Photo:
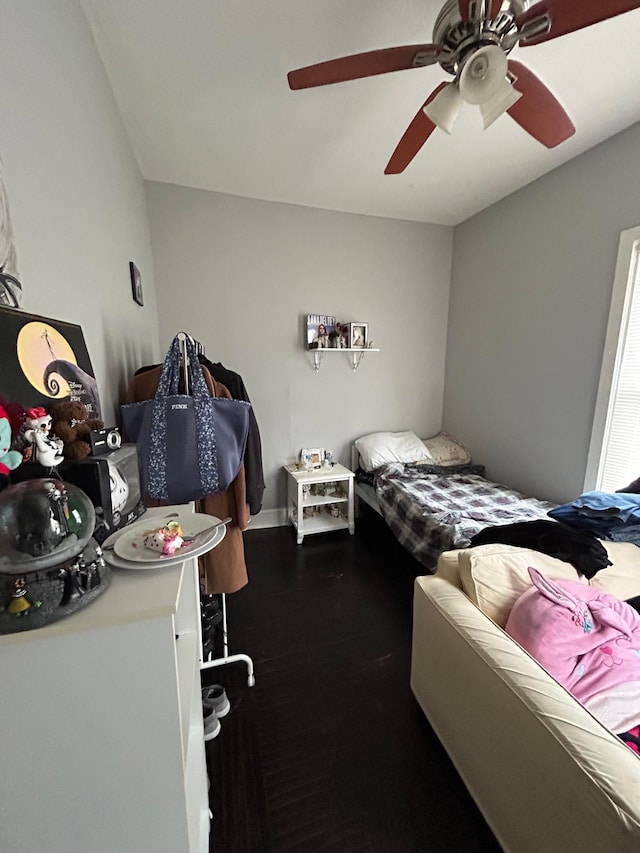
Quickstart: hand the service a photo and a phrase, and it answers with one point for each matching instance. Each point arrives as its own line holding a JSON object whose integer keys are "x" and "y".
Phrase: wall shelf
{"x": 355, "y": 355}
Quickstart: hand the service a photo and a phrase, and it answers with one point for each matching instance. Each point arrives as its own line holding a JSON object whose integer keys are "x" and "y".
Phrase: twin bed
{"x": 431, "y": 495}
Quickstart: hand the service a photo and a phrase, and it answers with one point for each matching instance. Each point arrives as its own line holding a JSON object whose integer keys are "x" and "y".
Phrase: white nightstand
{"x": 320, "y": 499}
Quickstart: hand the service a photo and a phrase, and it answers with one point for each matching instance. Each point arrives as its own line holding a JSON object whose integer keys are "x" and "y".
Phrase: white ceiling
{"x": 202, "y": 89}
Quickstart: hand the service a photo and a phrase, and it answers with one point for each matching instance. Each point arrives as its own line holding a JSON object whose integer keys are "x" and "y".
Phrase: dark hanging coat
{"x": 253, "y": 472}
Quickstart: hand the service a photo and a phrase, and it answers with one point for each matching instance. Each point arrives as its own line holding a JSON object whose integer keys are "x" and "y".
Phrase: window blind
{"x": 620, "y": 460}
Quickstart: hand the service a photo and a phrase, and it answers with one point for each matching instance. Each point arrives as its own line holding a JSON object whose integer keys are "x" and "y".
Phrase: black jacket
{"x": 578, "y": 547}
{"x": 253, "y": 473}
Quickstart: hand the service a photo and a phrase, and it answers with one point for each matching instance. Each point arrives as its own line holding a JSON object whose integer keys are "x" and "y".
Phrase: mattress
{"x": 430, "y": 510}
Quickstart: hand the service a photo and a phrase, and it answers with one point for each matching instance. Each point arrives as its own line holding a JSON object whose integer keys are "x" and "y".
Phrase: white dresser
{"x": 102, "y": 747}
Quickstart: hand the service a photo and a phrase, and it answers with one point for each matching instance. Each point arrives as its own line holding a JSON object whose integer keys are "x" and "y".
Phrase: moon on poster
{"x": 39, "y": 345}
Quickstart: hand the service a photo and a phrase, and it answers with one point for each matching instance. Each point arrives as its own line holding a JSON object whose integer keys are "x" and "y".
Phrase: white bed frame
{"x": 363, "y": 491}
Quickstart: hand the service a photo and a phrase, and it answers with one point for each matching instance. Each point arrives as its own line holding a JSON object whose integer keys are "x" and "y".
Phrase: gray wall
{"x": 240, "y": 275}
{"x": 75, "y": 192}
{"x": 530, "y": 290}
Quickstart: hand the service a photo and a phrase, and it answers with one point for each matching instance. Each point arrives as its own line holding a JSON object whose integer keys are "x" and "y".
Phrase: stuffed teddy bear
{"x": 71, "y": 423}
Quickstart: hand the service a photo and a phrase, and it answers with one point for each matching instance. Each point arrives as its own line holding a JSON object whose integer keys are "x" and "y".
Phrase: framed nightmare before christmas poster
{"x": 43, "y": 361}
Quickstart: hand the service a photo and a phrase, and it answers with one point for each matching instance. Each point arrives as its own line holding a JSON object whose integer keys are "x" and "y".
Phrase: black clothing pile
{"x": 580, "y": 548}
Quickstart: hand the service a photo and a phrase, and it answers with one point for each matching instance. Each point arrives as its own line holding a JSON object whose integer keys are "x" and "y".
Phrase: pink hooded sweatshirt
{"x": 588, "y": 640}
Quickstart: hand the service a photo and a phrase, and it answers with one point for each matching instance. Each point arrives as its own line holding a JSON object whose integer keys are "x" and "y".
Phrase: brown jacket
{"x": 224, "y": 566}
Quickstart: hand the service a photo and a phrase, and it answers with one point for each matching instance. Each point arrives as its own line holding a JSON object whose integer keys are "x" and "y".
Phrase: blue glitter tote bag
{"x": 190, "y": 445}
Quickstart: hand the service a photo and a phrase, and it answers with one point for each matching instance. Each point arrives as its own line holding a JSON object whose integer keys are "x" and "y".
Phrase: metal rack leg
{"x": 209, "y": 664}
{"x": 226, "y": 657}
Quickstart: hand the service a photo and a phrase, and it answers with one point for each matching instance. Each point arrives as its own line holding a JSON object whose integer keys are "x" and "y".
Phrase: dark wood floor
{"x": 329, "y": 750}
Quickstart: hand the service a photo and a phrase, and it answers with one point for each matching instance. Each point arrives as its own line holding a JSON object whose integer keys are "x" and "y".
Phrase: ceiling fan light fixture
{"x": 483, "y": 74}
{"x": 444, "y": 108}
{"x": 504, "y": 98}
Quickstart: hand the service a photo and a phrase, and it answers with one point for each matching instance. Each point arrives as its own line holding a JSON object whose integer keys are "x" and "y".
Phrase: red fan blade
{"x": 413, "y": 138}
{"x": 464, "y": 6}
{"x": 566, "y": 16}
{"x": 364, "y": 65}
{"x": 537, "y": 111}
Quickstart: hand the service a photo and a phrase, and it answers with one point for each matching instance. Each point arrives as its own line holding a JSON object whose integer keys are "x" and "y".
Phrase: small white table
{"x": 314, "y": 505}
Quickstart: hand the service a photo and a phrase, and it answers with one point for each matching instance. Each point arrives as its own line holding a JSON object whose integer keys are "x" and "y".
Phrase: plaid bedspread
{"x": 432, "y": 513}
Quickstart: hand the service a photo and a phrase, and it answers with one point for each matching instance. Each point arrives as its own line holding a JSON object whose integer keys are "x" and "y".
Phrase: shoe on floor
{"x": 212, "y": 726}
{"x": 211, "y": 722}
{"x": 215, "y": 698}
{"x": 210, "y": 609}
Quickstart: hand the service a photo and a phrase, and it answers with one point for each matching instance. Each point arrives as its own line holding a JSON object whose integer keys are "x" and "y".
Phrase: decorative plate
{"x": 128, "y": 545}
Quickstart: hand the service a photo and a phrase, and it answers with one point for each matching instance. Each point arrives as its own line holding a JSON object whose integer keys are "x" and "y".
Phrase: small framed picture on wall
{"x": 358, "y": 335}
{"x": 136, "y": 283}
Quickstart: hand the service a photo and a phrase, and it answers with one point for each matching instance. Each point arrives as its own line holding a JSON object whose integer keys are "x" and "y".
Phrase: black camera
{"x": 105, "y": 440}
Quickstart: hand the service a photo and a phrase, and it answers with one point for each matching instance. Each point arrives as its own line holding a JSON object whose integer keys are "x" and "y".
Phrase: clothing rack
{"x": 226, "y": 658}
{"x": 185, "y": 361}
{"x": 199, "y": 348}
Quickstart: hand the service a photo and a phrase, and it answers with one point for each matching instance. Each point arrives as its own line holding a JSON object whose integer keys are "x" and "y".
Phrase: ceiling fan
{"x": 471, "y": 40}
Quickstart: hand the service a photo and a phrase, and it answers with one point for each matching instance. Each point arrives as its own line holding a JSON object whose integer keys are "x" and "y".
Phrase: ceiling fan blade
{"x": 566, "y": 16}
{"x": 538, "y": 111}
{"x": 364, "y": 65}
{"x": 413, "y": 138}
{"x": 465, "y": 8}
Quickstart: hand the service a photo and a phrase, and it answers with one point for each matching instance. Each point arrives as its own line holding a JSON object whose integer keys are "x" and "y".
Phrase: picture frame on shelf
{"x": 339, "y": 338}
{"x": 318, "y": 329}
{"x": 358, "y": 335}
{"x": 312, "y": 457}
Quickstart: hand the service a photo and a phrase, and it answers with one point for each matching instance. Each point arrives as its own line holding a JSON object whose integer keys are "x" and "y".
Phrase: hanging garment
{"x": 224, "y": 566}
{"x": 253, "y": 472}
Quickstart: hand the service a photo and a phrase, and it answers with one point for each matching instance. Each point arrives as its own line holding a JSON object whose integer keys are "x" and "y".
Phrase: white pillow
{"x": 381, "y": 448}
